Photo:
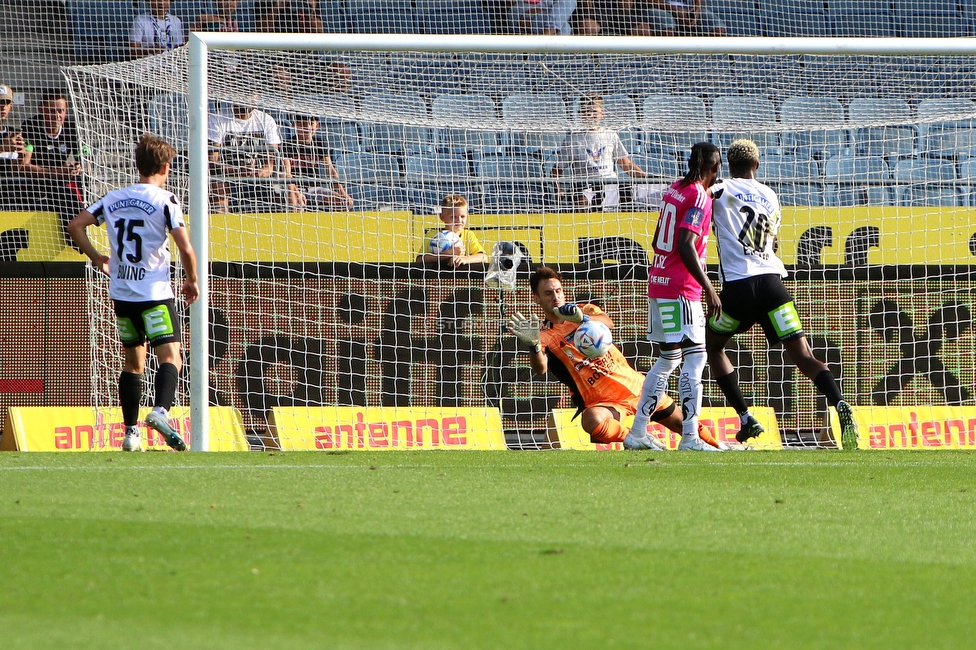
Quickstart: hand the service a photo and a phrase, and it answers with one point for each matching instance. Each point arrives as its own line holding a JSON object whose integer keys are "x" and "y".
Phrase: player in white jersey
{"x": 138, "y": 219}
{"x": 745, "y": 219}
{"x": 589, "y": 158}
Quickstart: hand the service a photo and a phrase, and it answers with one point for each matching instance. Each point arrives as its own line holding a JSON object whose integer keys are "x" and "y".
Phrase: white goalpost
{"x": 867, "y": 141}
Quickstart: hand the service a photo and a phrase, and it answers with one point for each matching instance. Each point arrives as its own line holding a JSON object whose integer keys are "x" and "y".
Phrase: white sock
{"x": 655, "y": 383}
{"x": 132, "y": 430}
{"x": 690, "y": 389}
{"x": 161, "y": 411}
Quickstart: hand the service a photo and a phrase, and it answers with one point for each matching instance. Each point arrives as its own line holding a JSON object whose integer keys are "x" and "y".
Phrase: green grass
{"x": 487, "y": 550}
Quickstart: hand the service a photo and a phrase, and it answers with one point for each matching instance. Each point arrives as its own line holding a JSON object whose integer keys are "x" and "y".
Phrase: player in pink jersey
{"x": 675, "y": 318}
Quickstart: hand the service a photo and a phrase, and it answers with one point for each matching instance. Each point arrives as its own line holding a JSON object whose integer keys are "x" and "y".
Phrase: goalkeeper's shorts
{"x": 629, "y": 406}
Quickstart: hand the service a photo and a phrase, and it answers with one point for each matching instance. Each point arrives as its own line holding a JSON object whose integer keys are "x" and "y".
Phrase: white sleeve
{"x": 215, "y": 129}
{"x": 179, "y": 38}
{"x": 271, "y": 133}
{"x": 137, "y": 34}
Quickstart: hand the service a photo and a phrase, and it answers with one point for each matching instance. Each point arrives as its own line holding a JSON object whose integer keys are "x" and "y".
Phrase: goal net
{"x": 321, "y": 205}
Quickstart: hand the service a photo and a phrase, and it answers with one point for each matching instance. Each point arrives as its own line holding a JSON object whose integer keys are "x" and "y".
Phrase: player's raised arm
{"x": 77, "y": 229}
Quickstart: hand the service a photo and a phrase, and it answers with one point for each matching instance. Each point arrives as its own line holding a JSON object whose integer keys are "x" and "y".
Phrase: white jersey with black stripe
{"x": 138, "y": 219}
{"x": 746, "y": 218}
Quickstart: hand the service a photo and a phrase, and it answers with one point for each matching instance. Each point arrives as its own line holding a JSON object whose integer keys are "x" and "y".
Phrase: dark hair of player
{"x": 152, "y": 153}
{"x": 454, "y": 201}
{"x": 52, "y": 95}
{"x": 704, "y": 156}
{"x": 543, "y": 273}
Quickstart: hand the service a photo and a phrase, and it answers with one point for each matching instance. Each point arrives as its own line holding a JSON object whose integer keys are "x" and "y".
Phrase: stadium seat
{"x": 672, "y": 123}
{"x": 894, "y": 136}
{"x": 741, "y": 17}
{"x": 384, "y": 115}
{"x": 452, "y": 17}
{"x": 535, "y": 123}
{"x": 169, "y": 119}
{"x": 862, "y": 18}
{"x": 434, "y": 73}
{"x": 620, "y": 114}
{"x": 341, "y": 136}
{"x": 334, "y": 18}
{"x": 795, "y": 179}
{"x": 474, "y": 110}
{"x": 431, "y": 176}
{"x": 382, "y": 17}
{"x": 857, "y": 180}
{"x": 794, "y": 18}
{"x": 940, "y": 24}
{"x": 667, "y": 168}
{"x": 967, "y": 173}
{"x": 926, "y": 182}
{"x": 801, "y": 114}
{"x": 946, "y": 127}
{"x": 513, "y": 183}
{"x": 744, "y": 116}
{"x": 101, "y": 29}
{"x": 372, "y": 179}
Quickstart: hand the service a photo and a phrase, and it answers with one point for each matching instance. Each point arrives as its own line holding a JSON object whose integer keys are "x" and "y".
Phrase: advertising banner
{"x": 913, "y": 427}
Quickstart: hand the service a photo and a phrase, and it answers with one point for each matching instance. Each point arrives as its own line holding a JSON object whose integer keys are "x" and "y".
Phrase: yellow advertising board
{"x": 386, "y": 428}
{"x": 82, "y": 428}
{"x": 912, "y": 427}
{"x": 723, "y": 422}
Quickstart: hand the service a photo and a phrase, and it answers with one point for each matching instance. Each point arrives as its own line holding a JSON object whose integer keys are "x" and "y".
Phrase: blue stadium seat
{"x": 802, "y": 115}
{"x": 744, "y": 116}
{"x": 452, "y": 17}
{"x": 432, "y": 176}
{"x": 741, "y": 17}
{"x": 535, "y": 122}
{"x": 938, "y": 24}
{"x": 967, "y": 173}
{"x": 862, "y": 18}
{"x": 341, "y": 136}
{"x": 466, "y": 109}
{"x": 372, "y": 179}
{"x": 946, "y": 127}
{"x": 857, "y": 180}
{"x": 672, "y": 123}
{"x": 513, "y": 183}
{"x": 794, "y": 18}
{"x": 101, "y": 29}
{"x": 795, "y": 179}
{"x": 895, "y": 136}
{"x": 926, "y": 182}
{"x": 382, "y": 17}
{"x": 334, "y": 18}
{"x": 620, "y": 114}
{"x": 667, "y": 168}
{"x": 395, "y": 123}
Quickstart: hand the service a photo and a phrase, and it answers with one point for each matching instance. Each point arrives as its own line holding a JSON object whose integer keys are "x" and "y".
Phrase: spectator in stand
{"x": 51, "y": 158}
{"x": 589, "y": 157}
{"x": 620, "y": 18}
{"x": 288, "y": 16}
{"x": 303, "y": 158}
{"x": 549, "y": 17}
{"x": 220, "y": 20}
{"x": 243, "y": 144}
{"x": 467, "y": 250}
{"x": 156, "y": 31}
{"x": 690, "y": 18}
{"x": 11, "y": 140}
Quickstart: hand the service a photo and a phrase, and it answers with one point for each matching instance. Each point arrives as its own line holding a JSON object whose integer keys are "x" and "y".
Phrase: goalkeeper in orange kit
{"x": 605, "y": 389}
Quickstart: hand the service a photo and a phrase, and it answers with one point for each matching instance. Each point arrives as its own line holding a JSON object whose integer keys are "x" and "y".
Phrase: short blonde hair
{"x": 743, "y": 155}
{"x": 454, "y": 201}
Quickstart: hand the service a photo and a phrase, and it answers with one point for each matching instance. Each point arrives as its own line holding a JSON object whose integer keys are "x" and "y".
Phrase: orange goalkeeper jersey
{"x": 606, "y": 380}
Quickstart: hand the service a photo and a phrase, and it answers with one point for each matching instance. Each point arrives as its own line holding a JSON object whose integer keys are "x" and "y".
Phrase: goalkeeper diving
{"x": 605, "y": 390}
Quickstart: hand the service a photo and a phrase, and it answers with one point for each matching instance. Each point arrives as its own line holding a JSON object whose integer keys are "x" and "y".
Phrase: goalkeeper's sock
{"x": 827, "y": 385}
{"x": 167, "y": 377}
{"x": 609, "y": 431}
{"x": 733, "y": 395}
{"x": 130, "y": 394}
{"x": 706, "y": 435}
{"x": 690, "y": 389}
{"x": 655, "y": 383}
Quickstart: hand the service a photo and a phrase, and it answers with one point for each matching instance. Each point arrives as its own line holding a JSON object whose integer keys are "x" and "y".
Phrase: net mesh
{"x": 315, "y": 294}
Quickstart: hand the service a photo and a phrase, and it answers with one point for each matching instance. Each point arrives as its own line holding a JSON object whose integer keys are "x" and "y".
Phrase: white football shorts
{"x": 675, "y": 320}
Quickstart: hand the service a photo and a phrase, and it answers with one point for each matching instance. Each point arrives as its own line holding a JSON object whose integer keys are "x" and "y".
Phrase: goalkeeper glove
{"x": 572, "y": 313}
{"x": 526, "y": 330}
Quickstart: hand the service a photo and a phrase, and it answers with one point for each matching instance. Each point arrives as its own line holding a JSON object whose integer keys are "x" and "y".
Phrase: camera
{"x": 505, "y": 259}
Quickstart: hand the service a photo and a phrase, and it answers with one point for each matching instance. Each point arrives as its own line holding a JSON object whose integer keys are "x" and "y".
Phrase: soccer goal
{"x": 311, "y": 219}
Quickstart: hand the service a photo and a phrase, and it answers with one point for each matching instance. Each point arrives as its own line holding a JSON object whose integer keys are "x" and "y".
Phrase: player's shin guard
{"x": 655, "y": 383}
{"x": 690, "y": 388}
{"x": 826, "y": 384}
{"x": 609, "y": 431}
{"x": 167, "y": 378}
{"x": 130, "y": 394}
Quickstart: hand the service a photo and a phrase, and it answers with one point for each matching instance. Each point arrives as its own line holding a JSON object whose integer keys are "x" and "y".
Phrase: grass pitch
{"x": 487, "y": 550}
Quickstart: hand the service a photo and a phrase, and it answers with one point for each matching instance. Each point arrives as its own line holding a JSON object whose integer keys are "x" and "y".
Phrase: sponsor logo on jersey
{"x": 694, "y": 217}
{"x": 757, "y": 199}
{"x": 145, "y": 206}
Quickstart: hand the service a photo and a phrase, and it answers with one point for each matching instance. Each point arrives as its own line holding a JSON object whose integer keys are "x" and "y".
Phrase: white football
{"x": 443, "y": 241}
{"x": 593, "y": 339}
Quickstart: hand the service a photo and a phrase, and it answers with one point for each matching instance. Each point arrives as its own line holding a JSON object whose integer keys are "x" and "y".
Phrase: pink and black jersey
{"x": 683, "y": 206}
